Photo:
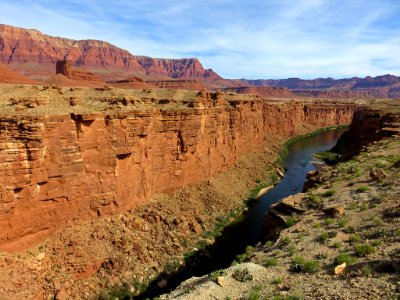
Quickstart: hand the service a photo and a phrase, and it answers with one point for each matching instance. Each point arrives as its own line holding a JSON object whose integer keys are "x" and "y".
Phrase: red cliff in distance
{"x": 36, "y": 53}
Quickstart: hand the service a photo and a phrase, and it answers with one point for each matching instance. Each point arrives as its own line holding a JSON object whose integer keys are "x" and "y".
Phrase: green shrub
{"x": 292, "y": 250}
{"x": 255, "y": 293}
{"x": 342, "y": 222}
{"x": 277, "y": 280}
{"x": 290, "y": 221}
{"x": 344, "y": 258}
{"x": 366, "y": 270}
{"x": 269, "y": 243}
{"x": 329, "y": 221}
{"x": 329, "y": 157}
{"x": 337, "y": 245}
{"x": 377, "y": 221}
{"x": 376, "y": 243}
{"x": 271, "y": 261}
{"x": 329, "y": 193}
{"x": 362, "y": 189}
{"x": 300, "y": 264}
{"x": 316, "y": 225}
{"x": 314, "y": 201}
{"x": 354, "y": 238}
{"x": 287, "y": 241}
{"x": 324, "y": 237}
{"x": 364, "y": 249}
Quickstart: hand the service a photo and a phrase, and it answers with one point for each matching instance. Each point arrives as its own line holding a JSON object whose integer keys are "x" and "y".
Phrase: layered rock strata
{"x": 56, "y": 168}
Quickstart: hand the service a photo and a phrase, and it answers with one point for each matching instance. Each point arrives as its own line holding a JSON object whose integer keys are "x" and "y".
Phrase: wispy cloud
{"x": 251, "y": 39}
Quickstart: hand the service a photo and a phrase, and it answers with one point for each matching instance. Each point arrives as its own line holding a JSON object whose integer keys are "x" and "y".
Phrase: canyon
{"x": 114, "y": 166}
{"x": 72, "y": 164}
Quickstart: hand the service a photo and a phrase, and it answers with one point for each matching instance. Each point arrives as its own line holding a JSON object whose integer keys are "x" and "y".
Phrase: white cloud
{"x": 252, "y": 39}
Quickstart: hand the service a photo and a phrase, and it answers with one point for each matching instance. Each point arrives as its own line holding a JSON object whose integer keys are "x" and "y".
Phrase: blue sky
{"x": 238, "y": 39}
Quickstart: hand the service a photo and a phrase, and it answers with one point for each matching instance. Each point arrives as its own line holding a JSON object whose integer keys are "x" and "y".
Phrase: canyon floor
{"x": 364, "y": 234}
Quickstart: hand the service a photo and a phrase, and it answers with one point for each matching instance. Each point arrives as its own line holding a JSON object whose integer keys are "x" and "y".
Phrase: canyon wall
{"x": 56, "y": 168}
{"x": 367, "y": 126}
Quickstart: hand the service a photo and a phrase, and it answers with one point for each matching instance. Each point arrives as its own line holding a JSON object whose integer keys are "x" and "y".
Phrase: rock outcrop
{"x": 367, "y": 126}
{"x": 64, "y": 67}
{"x": 54, "y": 168}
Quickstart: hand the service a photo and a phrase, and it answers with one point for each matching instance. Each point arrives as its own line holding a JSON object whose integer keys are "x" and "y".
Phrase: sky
{"x": 254, "y": 39}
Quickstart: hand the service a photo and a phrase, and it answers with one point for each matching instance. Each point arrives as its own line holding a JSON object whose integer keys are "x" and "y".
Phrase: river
{"x": 235, "y": 238}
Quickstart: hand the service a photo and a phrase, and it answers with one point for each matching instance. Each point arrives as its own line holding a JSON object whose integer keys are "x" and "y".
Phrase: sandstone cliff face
{"x": 19, "y": 45}
{"x": 367, "y": 126}
{"x": 55, "y": 168}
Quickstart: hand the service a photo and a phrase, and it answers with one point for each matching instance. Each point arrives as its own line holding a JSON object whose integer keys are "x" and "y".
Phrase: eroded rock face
{"x": 64, "y": 67}
{"x": 19, "y": 46}
{"x": 55, "y": 168}
{"x": 367, "y": 126}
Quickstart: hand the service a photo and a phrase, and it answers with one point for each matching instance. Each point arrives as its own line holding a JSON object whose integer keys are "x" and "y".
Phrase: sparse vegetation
{"x": 255, "y": 293}
{"x": 344, "y": 258}
{"x": 276, "y": 280}
{"x": 242, "y": 275}
{"x": 364, "y": 249}
{"x": 270, "y": 261}
{"x": 300, "y": 264}
{"x": 329, "y": 193}
{"x": 362, "y": 189}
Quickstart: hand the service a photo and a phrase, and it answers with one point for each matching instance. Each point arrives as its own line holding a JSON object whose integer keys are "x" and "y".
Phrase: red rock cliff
{"x": 60, "y": 167}
{"x": 19, "y": 45}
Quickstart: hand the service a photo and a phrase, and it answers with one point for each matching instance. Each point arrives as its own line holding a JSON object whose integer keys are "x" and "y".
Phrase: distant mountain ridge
{"x": 26, "y": 46}
{"x": 34, "y": 54}
{"x": 385, "y": 85}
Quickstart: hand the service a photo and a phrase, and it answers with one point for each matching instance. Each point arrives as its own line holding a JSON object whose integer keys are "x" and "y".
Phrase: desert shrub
{"x": 342, "y": 222}
{"x": 292, "y": 250}
{"x": 271, "y": 261}
{"x": 314, "y": 201}
{"x": 329, "y": 193}
{"x": 355, "y": 238}
{"x": 287, "y": 241}
{"x": 300, "y": 264}
{"x": 349, "y": 229}
{"x": 364, "y": 249}
{"x": 362, "y": 189}
{"x": 290, "y": 221}
{"x": 269, "y": 243}
{"x": 376, "y": 243}
{"x": 344, "y": 258}
{"x": 277, "y": 280}
{"x": 337, "y": 245}
{"x": 255, "y": 293}
{"x": 242, "y": 275}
